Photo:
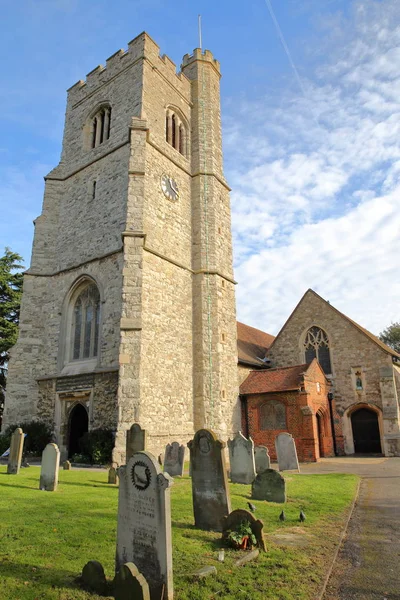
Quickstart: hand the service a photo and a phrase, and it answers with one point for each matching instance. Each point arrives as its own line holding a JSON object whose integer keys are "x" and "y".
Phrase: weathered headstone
{"x": 270, "y": 486}
{"x": 129, "y": 584}
{"x": 144, "y": 522}
{"x": 135, "y": 440}
{"x": 241, "y": 458}
{"x": 15, "y": 456}
{"x": 93, "y": 577}
{"x": 261, "y": 459}
{"x": 286, "y": 452}
{"x": 67, "y": 465}
{"x": 210, "y": 492}
{"x": 236, "y": 517}
{"x": 112, "y": 475}
{"x": 174, "y": 459}
{"x": 49, "y": 469}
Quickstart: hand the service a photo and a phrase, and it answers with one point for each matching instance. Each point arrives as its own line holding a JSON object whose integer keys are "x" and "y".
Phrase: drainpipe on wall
{"x": 330, "y": 398}
{"x": 245, "y": 412}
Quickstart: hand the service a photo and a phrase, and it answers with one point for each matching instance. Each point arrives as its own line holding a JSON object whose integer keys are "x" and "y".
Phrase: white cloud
{"x": 325, "y": 185}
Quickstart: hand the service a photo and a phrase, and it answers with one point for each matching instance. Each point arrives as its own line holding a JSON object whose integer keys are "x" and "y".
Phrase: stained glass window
{"x": 85, "y": 325}
{"x": 316, "y": 345}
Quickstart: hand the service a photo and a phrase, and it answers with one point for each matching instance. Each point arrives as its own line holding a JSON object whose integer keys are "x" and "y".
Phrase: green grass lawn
{"x": 46, "y": 538}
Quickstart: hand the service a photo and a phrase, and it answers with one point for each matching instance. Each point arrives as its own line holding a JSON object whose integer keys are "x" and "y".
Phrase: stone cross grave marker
{"x": 210, "y": 492}
{"x": 144, "y": 522}
{"x": 286, "y": 452}
{"x": 262, "y": 459}
{"x": 135, "y": 441}
{"x": 112, "y": 476}
{"x": 269, "y": 485}
{"x": 174, "y": 459}
{"x": 129, "y": 584}
{"x": 49, "y": 469}
{"x": 15, "y": 456}
{"x": 241, "y": 458}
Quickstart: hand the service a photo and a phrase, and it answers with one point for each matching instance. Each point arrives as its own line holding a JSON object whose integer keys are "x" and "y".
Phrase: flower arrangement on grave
{"x": 242, "y": 537}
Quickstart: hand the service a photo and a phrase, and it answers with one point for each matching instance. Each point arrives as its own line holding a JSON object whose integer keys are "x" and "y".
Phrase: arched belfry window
{"x": 176, "y": 132}
{"x": 86, "y": 323}
{"x": 273, "y": 415}
{"x": 99, "y": 127}
{"x": 316, "y": 345}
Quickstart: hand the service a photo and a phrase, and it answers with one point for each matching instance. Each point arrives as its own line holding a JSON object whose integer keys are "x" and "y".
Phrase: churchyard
{"x": 47, "y": 537}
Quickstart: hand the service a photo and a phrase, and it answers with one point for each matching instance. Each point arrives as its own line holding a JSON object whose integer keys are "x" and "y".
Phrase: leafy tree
{"x": 10, "y": 298}
{"x": 391, "y": 336}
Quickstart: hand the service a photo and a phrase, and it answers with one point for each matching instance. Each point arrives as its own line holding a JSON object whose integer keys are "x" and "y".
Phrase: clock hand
{"x": 172, "y": 186}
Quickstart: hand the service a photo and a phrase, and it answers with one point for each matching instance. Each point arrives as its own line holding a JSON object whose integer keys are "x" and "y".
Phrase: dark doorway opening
{"x": 320, "y": 434}
{"x": 78, "y": 426}
{"x": 367, "y": 439}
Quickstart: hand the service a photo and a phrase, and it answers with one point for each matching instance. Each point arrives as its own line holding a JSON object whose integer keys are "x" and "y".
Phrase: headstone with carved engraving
{"x": 144, "y": 522}
{"x": 15, "y": 456}
{"x": 174, "y": 459}
{"x": 241, "y": 459}
{"x": 262, "y": 459}
{"x": 210, "y": 492}
{"x": 49, "y": 468}
{"x": 270, "y": 486}
{"x": 286, "y": 452}
{"x": 135, "y": 440}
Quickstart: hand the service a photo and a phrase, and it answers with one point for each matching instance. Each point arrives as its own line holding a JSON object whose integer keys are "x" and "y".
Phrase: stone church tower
{"x": 128, "y": 311}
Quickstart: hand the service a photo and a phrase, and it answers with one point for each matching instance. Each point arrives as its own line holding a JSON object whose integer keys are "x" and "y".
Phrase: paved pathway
{"x": 368, "y": 564}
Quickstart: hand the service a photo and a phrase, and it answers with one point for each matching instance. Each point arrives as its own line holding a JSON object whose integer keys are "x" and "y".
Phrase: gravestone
{"x": 241, "y": 458}
{"x": 270, "y": 486}
{"x": 15, "y": 456}
{"x": 286, "y": 452}
{"x": 67, "y": 465}
{"x": 135, "y": 441}
{"x": 144, "y": 522}
{"x": 261, "y": 459}
{"x": 174, "y": 459}
{"x": 93, "y": 577}
{"x": 236, "y": 517}
{"x": 112, "y": 475}
{"x": 160, "y": 459}
{"x": 129, "y": 584}
{"x": 49, "y": 469}
{"x": 210, "y": 492}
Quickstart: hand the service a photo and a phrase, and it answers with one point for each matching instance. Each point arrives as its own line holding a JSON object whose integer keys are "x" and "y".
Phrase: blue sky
{"x": 314, "y": 165}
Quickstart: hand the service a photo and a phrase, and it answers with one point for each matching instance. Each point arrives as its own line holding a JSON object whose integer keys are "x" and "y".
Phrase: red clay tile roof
{"x": 252, "y": 344}
{"x": 274, "y": 380}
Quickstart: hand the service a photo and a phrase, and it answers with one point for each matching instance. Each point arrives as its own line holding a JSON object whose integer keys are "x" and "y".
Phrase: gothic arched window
{"x": 100, "y": 125}
{"x": 175, "y": 132}
{"x": 85, "y": 323}
{"x": 273, "y": 415}
{"x": 316, "y": 345}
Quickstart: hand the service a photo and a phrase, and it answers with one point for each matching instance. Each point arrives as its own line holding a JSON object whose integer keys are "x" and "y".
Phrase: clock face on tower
{"x": 169, "y": 187}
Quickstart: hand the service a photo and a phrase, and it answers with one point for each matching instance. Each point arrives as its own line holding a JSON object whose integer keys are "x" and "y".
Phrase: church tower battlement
{"x": 128, "y": 312}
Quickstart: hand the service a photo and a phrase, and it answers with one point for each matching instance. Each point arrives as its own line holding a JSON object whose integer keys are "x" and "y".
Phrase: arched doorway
{"x": 320, "y": 428}
{"x": 78, "y": 426}
{"x": 366, "y": 436}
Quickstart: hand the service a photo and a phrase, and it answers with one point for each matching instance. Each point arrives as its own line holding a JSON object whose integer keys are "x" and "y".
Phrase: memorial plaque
{"x": 261, "y": 459}
{"x": 135, "y": 441}
{"x": 15, "y": 456}
{"x": 270, "y": 486}
{"x": 174, "y": 459}
{"x": 286, "y": 452}
{"x": 49, "y": 469}
{"x": 144, "y": 522}
{"x": 241, "y": 458}
{"x": 210, "y": 492}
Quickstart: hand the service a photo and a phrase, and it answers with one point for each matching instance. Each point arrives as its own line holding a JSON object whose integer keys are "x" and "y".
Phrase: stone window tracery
{"x": 273, "y": 415}
{"x": 100, "y": 125}
{"x": 85, "y": 324}
{"x": 316, "y": 345}
{"x": 175, "y": 132}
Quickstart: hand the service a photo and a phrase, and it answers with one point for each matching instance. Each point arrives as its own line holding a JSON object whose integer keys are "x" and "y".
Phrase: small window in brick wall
{"x": 175, "y": 132}
{"x": 273, "y": 415}
{"x": 99, "y": 127}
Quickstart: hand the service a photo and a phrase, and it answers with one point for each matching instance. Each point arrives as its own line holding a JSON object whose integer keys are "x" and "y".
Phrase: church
{"x": 128, "y": 311}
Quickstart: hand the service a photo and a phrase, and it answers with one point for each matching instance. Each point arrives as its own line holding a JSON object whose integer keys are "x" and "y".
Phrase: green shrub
{"x": 4, "y": 443}
{"x": 39, "y": 434}
{"x": 82, "y": 459}
{"x": 98, "y": 445}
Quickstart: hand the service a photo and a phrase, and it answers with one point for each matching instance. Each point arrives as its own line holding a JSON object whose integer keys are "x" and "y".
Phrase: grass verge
{"x": 46, "y": 538}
